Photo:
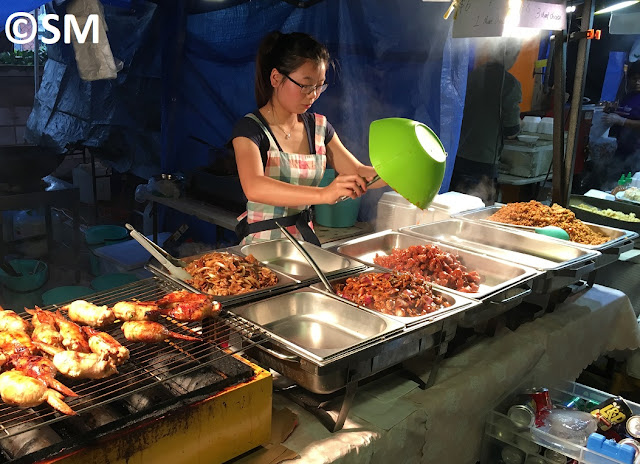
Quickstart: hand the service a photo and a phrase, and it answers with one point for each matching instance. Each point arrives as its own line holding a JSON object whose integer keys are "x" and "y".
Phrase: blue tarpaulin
{"x": 8, "y": 7}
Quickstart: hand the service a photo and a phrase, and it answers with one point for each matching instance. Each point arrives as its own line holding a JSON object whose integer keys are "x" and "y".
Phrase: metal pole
{"x": 559, "y": 73}
{"x": 36, "y": 55}
{"x": 582, "y": 60}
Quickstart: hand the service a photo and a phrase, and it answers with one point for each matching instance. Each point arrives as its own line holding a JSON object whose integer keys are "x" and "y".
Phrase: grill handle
{"x": 277, "y": 354}
{"x": 519, "y": 295}
{"x": 577, "y": 271}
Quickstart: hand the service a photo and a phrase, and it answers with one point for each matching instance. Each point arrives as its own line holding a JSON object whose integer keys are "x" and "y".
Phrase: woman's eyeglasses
{"x": 308, "y": 89}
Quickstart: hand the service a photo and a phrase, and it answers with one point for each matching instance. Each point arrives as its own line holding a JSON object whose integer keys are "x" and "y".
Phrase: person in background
{"x": 491, "y": 114}
{"x": 282, "y": 150}
{"x": 626, "y": 124}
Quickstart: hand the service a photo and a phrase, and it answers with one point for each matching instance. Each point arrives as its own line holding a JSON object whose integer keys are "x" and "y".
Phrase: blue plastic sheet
{"x": 613, "y": 76}
{"x": 8, "y": 7}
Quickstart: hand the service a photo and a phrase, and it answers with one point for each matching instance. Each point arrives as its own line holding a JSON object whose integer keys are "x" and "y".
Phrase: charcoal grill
{"x": 155, "y": 380}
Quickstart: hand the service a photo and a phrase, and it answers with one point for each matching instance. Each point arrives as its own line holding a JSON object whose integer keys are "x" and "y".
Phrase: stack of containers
{"x": 394, "y": 211}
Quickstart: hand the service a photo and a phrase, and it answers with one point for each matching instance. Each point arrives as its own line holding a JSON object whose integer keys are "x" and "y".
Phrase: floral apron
{"x": 258, "y": 222}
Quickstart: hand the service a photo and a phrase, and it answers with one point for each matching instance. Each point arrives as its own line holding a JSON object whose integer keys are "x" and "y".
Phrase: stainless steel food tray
{"x": 496, "y": 275}
{"x": 285, "y": 283}
{"x": 458, "y": 304}
{"x": 282, "y": 256}
{"x": 562, "y": 263}
{"x": 317, "y": 325}
{"x": 621, "y": 240}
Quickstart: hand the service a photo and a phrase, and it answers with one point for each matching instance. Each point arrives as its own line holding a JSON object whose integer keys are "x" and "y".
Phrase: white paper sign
{"x": 624, "y": 23}
{"x": 541, "y": 15}
{"x": 480, "y": 18}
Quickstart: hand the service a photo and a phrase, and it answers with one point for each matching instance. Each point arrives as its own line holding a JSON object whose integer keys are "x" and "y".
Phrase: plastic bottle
{"x": 629, "y": 179}
{"x": 621, "y": 185}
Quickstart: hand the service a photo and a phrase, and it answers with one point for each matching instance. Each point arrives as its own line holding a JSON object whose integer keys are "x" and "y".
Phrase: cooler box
{"x": 526, "y": 159}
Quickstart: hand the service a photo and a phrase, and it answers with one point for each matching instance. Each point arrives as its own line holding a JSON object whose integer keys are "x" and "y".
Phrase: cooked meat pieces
{"x": 186, "y": 306}
{"x": 12, "y": 322}
{"x": 86, "y": 313}
{"x": 150, "y": 332}
{"x": 21, "y": 390}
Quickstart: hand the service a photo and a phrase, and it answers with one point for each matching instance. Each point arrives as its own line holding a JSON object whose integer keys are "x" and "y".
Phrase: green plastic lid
{"x": 97, "y": 235}
{"x": 63, "y": 294}
{"x": 108, "y": 281}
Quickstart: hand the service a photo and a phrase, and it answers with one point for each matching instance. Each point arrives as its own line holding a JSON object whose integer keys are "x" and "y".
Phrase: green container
{"x": 342, "y": 214}
{"x": 99, "y": 236}
{"x": 29, "y": 280}
{"x": 64, "y": 294}
{"x": 108, "y": 281}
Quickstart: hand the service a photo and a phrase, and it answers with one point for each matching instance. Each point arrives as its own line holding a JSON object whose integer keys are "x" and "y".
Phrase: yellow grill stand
{"x": 210, "y": 431}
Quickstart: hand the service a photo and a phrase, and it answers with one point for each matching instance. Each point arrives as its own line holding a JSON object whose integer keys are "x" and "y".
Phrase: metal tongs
{"x": 309, "y": 259}
{"x": 174, "y": 265}
{"x": 371, "y": 182}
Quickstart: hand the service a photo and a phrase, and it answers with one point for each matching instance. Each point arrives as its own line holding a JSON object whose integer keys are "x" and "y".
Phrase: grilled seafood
{"x": 135, "y": 310}
{"x": 16, "y": 343}
{"x": 72, "y": 337}
{"x": 403, "y": 295}
{"x": 40, "y": 368}
{"x": 187, "y": 307}
{"x": 45, "y": 330}
{"x": 151, "y": 332}
{"x": 80, "y": 365}
{"x": 227, "y": 274}
{"x": 11, "y": 322}
{"x": 21, "y": 390}
{"x": 104, "y": 344}
{"x": 86, "y": 313}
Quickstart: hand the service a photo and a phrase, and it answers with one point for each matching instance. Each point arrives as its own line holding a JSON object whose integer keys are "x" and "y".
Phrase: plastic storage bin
{"x": 526, "y": 160}
{"x": 99, "y": 236}
{"x": 342, "y": 214}
{"x": 503, "y": 439}
{"x": 394, "y": 212}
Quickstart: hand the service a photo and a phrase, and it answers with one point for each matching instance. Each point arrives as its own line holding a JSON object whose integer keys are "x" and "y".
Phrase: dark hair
{"x": 286, "y": 53}
{"x": 634, "y": 69}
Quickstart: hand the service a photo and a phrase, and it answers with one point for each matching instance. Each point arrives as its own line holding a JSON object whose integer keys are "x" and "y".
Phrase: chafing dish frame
{"x": 553, "y": 277}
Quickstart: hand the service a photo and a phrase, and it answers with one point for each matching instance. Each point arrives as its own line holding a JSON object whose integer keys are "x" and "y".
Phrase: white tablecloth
{"x": 393, "y": 421}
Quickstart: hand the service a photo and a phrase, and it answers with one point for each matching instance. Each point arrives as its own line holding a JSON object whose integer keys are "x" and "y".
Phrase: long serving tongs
{"x": 309, "y": 259}
{"x": 174, "y": 265}
{"x": 371, "y": 182}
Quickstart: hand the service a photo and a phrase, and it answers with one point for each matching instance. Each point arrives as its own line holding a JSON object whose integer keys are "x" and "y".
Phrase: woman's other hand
{"x": 613, "y": 119}
{"x": 368, "y": 172}
{"x": 351, "y": 186}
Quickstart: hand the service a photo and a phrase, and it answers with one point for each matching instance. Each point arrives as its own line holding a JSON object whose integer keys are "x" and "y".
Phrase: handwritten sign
{"x": 486, "y": 18}
{"x": 480, "y": 18}
{"x": 541, "y": 15}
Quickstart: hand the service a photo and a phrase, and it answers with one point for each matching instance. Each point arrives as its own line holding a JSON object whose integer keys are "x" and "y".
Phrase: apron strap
{"x": 272, "y": 141}
{"x": 300, "y": 220}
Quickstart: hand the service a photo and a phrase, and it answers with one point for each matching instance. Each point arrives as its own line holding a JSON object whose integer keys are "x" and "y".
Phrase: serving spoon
{"x": 553, "y": 231}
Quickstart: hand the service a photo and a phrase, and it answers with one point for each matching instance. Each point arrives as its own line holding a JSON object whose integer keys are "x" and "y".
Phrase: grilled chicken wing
{"x": 21, "y": 390}
{"x": 16, "y": 343}
{"x": 11, "y": 322}
{"x": 72, "y": 337}
{"x": 187, "y": 307}
{"x": 135, "y": 310}
{"x": 86, "y": 313}
{"x": 45, "y": 330}
{"x": 40, "y": 368}
{"x": 150, "y": 332}
{"x": 80, "y": 365}
{"x": 104, "y": 344}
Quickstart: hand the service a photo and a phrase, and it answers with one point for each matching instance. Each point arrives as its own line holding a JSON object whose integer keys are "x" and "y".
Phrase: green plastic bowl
{"x": 108, "y": 281}
{"x": 63, "y": 294}
{"x": 29, "y": 280}
{"x": 409, "y": 157}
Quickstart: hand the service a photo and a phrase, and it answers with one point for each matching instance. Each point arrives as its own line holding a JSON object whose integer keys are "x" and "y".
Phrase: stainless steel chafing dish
{"x": 562, "y": 264}
{"x": 621, "y": 240}
{"x": 282, "y": 256}
{"x": 503, "y": 286}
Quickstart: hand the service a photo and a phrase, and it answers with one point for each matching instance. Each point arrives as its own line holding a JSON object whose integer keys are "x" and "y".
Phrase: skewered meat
{"x": 151, "y": 332}
{"x": 72, "y": 337}
{"x": 16, "y": 343}
{"x": 219, "y": 274}
{"x": 434, "y": 264}
{"x": 403, "y": 295}
{"x": 86, "y": 313}
{"x": 135, "y": 310}
{"x": 11, "y": 322}
{"x": 40, "y": 368}
{"x": 45, "y": 330}
{"x": 21, "y": 390}
{"x": 104, "y": 344}
{"x": 80, "y": 365}
{"x": 187, "y": 307}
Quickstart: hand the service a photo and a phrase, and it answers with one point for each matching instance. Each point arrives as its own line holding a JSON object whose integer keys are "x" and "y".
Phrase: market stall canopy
{"x": 8, "y": 7}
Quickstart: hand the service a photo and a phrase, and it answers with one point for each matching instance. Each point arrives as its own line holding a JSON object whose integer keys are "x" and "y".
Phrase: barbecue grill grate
{"x": 149, "y": 365}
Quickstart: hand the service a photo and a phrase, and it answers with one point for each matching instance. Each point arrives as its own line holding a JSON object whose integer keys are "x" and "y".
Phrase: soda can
{"x": 541, "y": 398}
{"x": 527, "y": 444}
{"x": 523, "y": 413}
{"x": 554, "y": 456}
{"x": 614, "y": 411}
{"x": 512, "y": 455}
{"x": 532, "y": 459}
{"x": 633, "y": 426}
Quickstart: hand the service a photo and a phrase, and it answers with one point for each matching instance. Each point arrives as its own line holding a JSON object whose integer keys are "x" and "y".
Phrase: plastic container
{"x": 342, "y": 214}
{"x": 99, "y": 236}
{"x": 526, "y": 160}
{"x": 394, "y": 211}
{"x": 34, "y": 275}
{"x": 65, "y": 294}
{"x": 108, "y": 281}
{"x": 126, "y": 256}
{"x": 456, "y": 202}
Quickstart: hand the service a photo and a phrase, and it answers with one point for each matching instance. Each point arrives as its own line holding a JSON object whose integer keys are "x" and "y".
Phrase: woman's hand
{"x": 613, "y": 119}
{"x": 368, "y": 172}
{"x": 351, "y": 186}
